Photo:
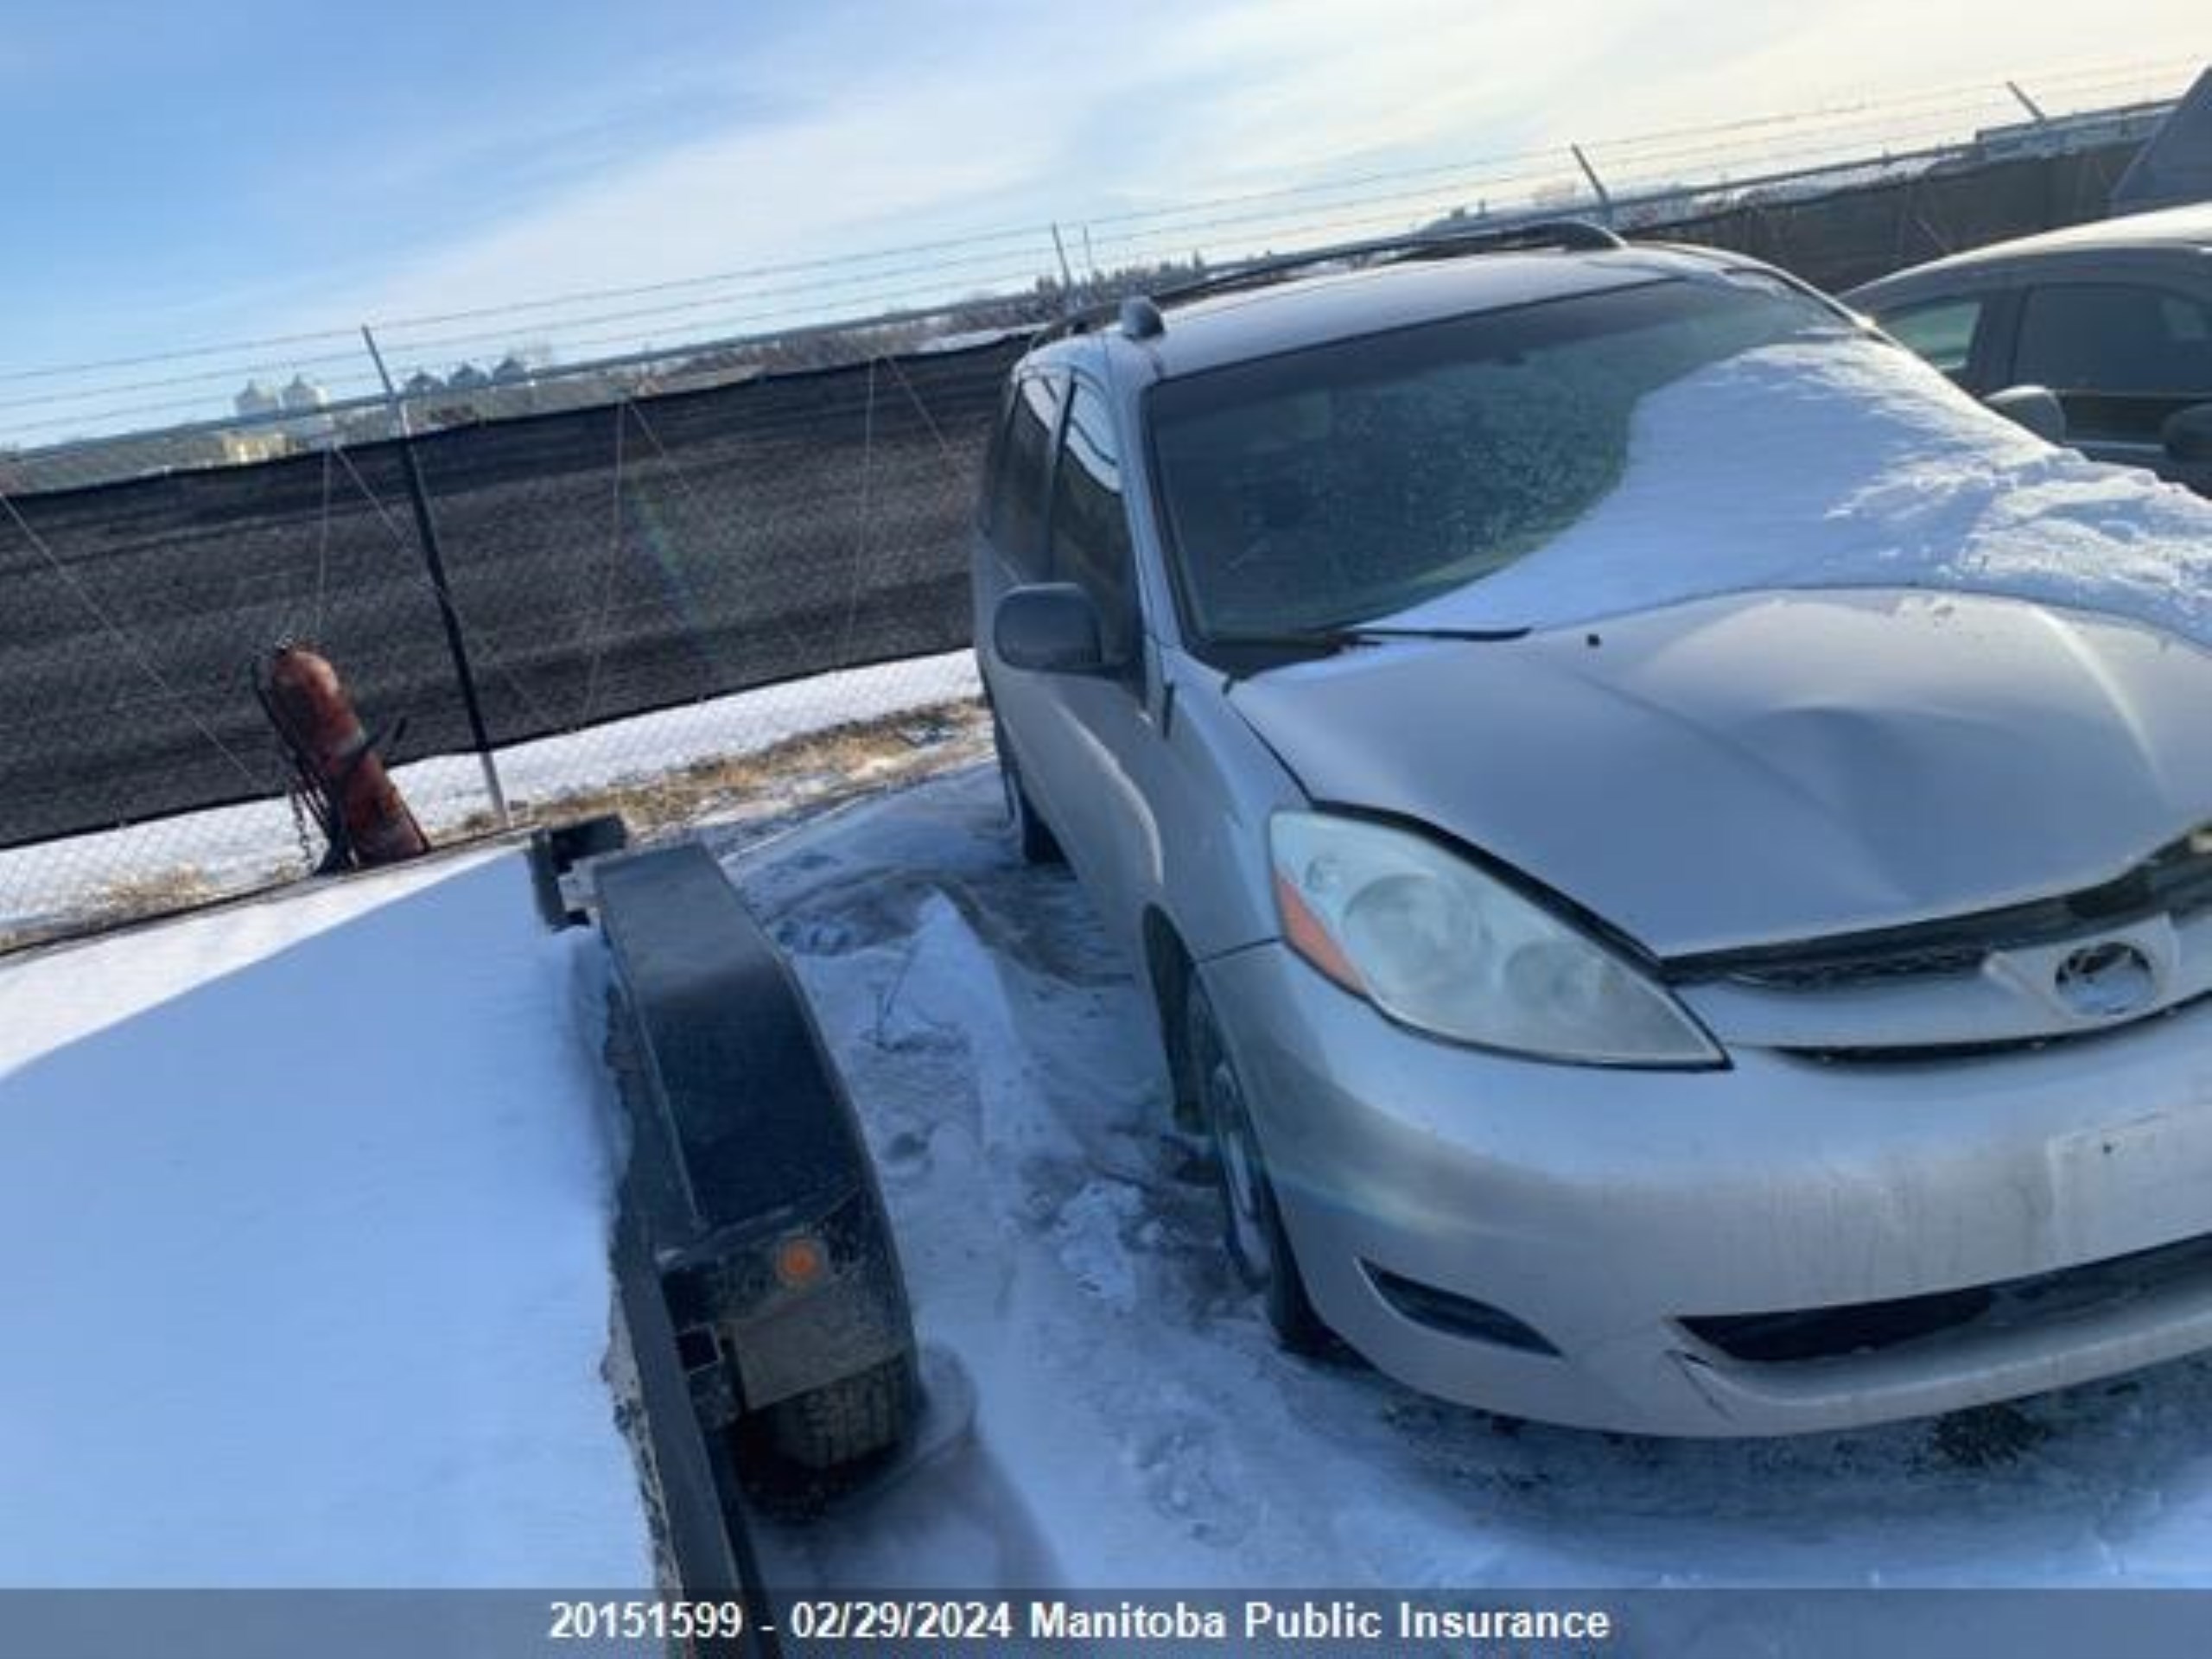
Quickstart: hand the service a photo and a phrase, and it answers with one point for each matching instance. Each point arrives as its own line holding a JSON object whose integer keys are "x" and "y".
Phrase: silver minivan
{"x": 1774, "y": 1008}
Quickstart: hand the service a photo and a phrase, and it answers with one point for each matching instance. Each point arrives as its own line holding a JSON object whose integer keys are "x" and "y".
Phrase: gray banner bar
{"x": 1187, "y": 1623}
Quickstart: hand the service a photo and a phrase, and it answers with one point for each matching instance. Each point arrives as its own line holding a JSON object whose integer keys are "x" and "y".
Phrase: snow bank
{"x": 1853, "y": 464}
{"x": 304, "y": 1216}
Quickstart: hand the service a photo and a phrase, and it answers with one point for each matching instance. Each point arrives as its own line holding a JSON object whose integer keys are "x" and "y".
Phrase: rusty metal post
{"x": 364, "y": 818}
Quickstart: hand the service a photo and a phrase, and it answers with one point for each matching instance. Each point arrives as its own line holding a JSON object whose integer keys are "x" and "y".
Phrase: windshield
{"x": 1325, "y": 486}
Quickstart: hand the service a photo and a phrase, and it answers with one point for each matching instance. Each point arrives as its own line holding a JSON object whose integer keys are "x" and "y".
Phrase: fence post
{"x": 426, "y": 526}
{"x": 2034, "y": 110}
{"x": 1605, "y": 196}
{"x": 1069, "y": 304}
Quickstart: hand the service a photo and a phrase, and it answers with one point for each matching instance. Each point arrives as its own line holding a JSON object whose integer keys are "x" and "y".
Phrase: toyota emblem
{"x": 2107, "y": 980}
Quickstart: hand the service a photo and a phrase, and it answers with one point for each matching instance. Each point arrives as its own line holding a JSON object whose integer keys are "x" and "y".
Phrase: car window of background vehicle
{"x": 1942, "y": 332}
{"x": 2123, "y": 356}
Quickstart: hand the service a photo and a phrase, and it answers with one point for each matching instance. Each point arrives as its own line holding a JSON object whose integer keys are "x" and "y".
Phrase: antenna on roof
{"x": 1141, "y": 319}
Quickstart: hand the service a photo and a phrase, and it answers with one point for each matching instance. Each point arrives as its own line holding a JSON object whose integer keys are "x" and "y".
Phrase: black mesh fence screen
{"x": 1840, "y": 239}
{"x": 668, "y": 550}
{"x": 603, "y": 562}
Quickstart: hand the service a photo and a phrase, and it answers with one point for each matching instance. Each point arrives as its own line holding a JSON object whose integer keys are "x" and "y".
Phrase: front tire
{"x": 1034, "y": 836}
{"x": 1253, "y": 1231}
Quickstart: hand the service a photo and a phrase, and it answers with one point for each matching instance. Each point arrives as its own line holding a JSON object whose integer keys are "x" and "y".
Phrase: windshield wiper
{"x": 1293, "y": 645}
{"x": 1360, "y": 634}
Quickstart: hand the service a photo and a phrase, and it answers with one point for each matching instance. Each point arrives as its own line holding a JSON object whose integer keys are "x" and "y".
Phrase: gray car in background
{"x": 1772, "y": 1011}
{"x": 2112, "y": 318}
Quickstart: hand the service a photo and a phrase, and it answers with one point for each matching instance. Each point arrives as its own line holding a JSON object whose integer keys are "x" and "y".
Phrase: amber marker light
{"x": 1310, "y": 938}
{"x": 801, "y": 1261}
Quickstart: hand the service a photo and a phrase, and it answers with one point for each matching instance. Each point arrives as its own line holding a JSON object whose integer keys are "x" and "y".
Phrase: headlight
{"x": 1445, "y": 948}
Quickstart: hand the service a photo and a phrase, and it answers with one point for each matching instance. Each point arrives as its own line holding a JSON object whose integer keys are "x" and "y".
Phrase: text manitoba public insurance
{"x": 1313, "y": 1621}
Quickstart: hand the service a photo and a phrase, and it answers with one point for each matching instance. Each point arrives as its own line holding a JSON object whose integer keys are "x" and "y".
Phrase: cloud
{"x": 875, "y": 159}
{"x": 875, "y": 129}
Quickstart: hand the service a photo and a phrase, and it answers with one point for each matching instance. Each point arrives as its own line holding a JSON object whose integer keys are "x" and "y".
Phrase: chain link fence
{"x": 747, "y": 567}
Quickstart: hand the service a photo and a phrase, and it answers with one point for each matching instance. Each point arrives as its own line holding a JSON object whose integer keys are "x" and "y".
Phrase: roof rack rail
{"x": 1569, "y": 235}
{"x": 1139, "y": 315}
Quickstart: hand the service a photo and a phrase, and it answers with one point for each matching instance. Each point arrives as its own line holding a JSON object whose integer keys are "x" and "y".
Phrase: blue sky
{"x": 204, "y": 161}
{"x": 182, "y": 174}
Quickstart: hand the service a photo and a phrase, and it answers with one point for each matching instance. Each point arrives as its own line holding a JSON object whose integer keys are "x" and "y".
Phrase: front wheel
{"x": 1034, "y": 836}
{"x": 1253, "y": 1232}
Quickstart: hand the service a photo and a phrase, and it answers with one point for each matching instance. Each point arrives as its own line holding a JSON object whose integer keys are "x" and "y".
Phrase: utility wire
{"x": 722, "y": 302}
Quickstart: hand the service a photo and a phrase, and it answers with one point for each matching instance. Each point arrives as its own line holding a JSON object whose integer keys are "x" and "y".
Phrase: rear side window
{"x": 1942, "y": 332}
{"x": 2123, "y": 356}
{"x": 1091, "y": 526}
{"x": 1017, "y": 515}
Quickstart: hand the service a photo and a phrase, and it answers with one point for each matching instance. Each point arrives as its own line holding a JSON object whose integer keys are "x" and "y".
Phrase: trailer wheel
{"x": 847, "y": 1421}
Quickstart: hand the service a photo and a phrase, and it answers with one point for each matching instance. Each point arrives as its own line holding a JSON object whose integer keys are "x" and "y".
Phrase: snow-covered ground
{"x": 1134, "y": 1426}
{"x": 304, "y": 1221}
{"x": 298, "y": 1296}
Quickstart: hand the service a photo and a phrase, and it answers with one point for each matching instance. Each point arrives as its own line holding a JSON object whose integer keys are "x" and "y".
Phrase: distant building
{"x": 263, "y": 443}
{"x": 77, "y": 463}
{"x": 306, "y": 423}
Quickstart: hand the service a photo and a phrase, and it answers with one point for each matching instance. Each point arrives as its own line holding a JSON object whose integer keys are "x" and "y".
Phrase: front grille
{"x": 1798, "y": 1336}
{"x": 1923, "y": 1053}
{"x": 1815, "y": 973}
{"x": 2174, "y": 882}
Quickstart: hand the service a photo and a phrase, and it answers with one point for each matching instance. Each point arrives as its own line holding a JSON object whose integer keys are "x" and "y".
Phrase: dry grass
{"x": 155, "y": 893}
{"x": 821, "y": 766}
{"x": 159, "y": 893}
{"x": 817, "y": 770}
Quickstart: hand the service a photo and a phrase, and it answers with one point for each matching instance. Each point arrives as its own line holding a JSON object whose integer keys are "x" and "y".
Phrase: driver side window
{"x": 1090, "y": 523}
{"x": 1025, "y": 454}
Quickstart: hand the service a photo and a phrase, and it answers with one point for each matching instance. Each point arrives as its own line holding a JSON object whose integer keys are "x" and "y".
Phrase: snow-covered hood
{"x": 1769, "y": 767}
{"x": 1843, "y": 463}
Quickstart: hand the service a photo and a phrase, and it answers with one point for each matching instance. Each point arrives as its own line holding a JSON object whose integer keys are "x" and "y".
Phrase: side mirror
{"x": 2188, "y": 434}
{"x": 1051, "y": 628}
{"x": 2036, "y": 408}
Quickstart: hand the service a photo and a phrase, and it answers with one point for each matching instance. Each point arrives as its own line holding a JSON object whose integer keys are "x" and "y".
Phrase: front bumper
{"x": 1603, "y": 1208}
